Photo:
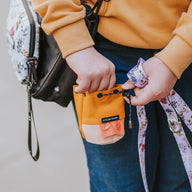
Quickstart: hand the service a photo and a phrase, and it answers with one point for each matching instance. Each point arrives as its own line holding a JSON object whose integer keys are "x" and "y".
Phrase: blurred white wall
{"x": 62, "y": 165}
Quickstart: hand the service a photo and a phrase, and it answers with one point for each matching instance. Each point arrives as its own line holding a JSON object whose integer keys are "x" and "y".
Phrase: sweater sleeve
{"x": 64, "y": 19}
{"x": 177, "y": 55}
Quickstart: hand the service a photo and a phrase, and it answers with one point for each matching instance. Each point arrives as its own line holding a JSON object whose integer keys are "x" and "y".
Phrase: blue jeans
{"x": 115, "y": 167}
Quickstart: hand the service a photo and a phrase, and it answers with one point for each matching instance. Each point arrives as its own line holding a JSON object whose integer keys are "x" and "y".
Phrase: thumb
{"x": 142, "y": 97}
{"x": 128, "y": 85}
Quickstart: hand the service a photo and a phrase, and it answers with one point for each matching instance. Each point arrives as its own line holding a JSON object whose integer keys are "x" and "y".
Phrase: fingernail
{"x": 127, "y": 100}
{"x": 125, "y": 85}
{"x": 76, "y": 90}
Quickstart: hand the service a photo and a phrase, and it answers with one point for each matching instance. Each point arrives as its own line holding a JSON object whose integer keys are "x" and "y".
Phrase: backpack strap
{"x": 32, "y": 79}
{"x": 92, "y": 17}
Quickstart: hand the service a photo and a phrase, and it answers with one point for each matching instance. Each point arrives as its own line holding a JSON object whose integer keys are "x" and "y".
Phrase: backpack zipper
{"x": 31, "y": 60}
{"x": 32, "y": 79}
{"x": 32, "y": 29}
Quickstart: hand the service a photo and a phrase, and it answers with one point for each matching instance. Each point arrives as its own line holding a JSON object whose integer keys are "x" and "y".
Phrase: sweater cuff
{"x": 73, "y": 38}
{"x": 177, "y": 55}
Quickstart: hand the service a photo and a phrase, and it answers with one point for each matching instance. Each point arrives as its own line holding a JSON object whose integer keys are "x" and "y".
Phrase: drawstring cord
{"x": 125, "y": 93}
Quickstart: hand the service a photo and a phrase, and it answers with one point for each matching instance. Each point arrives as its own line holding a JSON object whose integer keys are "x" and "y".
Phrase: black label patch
{"x": 108, "y": 119}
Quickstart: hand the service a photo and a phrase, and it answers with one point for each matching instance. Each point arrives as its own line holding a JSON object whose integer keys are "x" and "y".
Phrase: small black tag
{"x": 108, "y": 119}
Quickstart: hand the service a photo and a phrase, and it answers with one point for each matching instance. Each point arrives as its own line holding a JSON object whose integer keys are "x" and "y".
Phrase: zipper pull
{"x": 32, "y": 75}
{"x": 126, "y": 93}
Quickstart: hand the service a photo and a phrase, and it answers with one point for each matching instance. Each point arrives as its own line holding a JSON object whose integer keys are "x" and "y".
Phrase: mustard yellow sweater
{"x": 153, "y": 24}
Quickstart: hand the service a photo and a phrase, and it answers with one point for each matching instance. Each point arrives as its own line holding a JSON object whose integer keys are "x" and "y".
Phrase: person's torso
{"x": 136, "y": 23}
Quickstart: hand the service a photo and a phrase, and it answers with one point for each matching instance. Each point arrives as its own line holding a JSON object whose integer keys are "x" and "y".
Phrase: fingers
{"x": 112, "y": 81}
{"x": 92, "y": 83}
{"x": 108, "y": 79}
{"x": 108, "y": 82}
{"x": 103, "y": 84}
{"x": 150, "y": 92}
{"x": 147, "y": 94}
{"x": 83, "y": 86}
{"x": 95, "y": 72}
{"x": 160, "y": 81}
{"x": 95, "y": 85}
{"x": 128, "y": 85}
{"x": 127, "y": 100}
{"x": 142, "y": 96}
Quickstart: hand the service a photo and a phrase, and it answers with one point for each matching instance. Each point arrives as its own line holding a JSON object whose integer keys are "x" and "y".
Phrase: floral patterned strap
{"x": 141, "y": 114}
{"x": 181, "y": 108}
{"x": 137, "y": 74}
{"x": 139, "y": 78}
{"x": 173, "y": 104}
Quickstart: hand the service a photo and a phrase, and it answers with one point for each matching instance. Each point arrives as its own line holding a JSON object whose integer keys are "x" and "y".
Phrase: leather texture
{"x": 55, "y": 78}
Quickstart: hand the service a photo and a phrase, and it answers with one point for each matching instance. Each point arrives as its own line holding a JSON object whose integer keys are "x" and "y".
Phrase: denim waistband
{"x": 140, "y": 51}
{"x": 123, "y": 57}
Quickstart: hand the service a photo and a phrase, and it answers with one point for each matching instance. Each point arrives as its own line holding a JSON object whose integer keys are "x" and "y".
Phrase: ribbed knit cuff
{"x": 73, "y": 37}
{"x": 177, "y": 55}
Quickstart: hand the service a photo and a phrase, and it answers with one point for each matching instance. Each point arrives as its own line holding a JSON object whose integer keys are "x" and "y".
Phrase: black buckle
{"x": 92, "y": 17}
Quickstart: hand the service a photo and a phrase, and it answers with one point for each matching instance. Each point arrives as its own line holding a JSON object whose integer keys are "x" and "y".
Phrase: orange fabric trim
{"x": 91, "y": 109}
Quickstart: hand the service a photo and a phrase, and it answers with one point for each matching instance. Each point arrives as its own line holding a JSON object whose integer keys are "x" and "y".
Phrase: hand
{"x": 161, "y": 81}
{"x": 94, "y": 71}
